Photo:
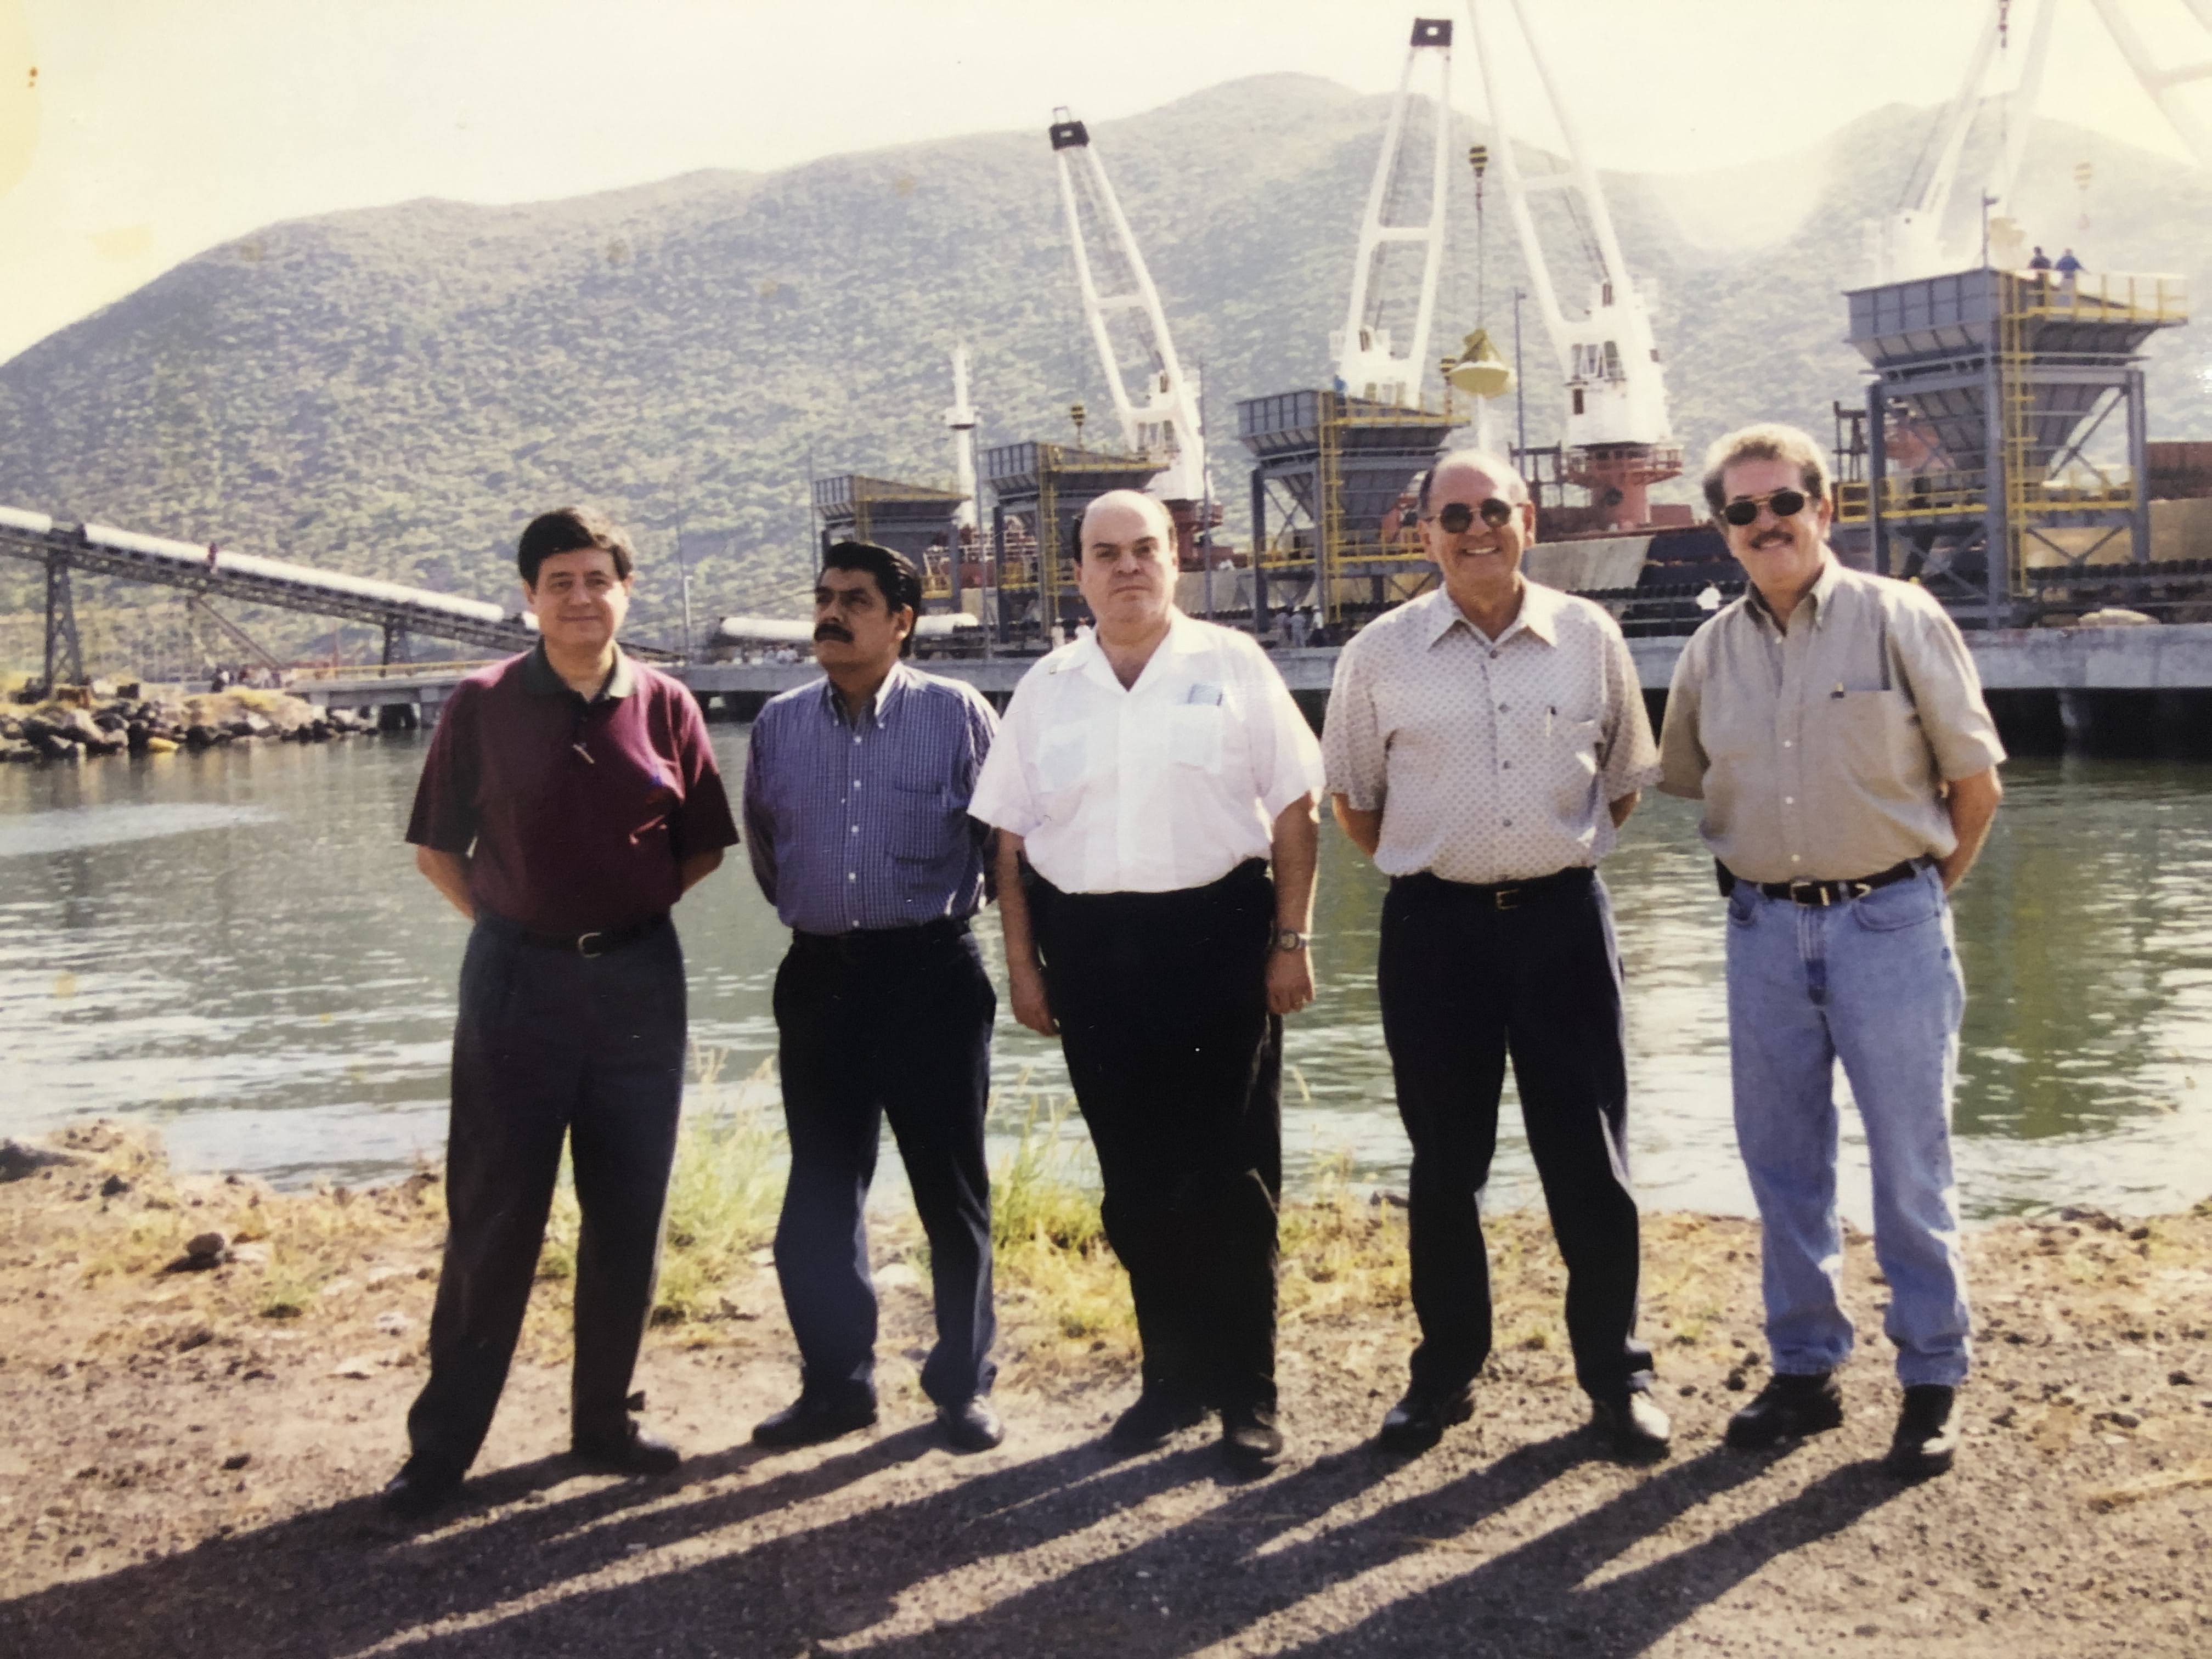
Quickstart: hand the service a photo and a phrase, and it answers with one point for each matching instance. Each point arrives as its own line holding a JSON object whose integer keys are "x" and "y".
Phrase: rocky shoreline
{"x": 85, "y": 723}
{"x": 207, "y": 1379}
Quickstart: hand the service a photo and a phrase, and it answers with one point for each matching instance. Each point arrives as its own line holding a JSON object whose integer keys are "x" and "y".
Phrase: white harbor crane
{"x": 1165, "y": 424}
{"x": 1618, "y": 439}
{"x": 1367, "y": 366}
{"x": 1910, "y": 243}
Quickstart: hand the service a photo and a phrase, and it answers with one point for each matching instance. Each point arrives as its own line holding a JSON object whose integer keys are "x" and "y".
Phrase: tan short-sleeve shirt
{"x": 1491, "y": 760}
{"x": 1819, "y": 749}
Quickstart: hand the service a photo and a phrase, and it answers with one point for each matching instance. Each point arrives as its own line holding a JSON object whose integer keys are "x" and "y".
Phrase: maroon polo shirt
{"x": 558, "y": 843}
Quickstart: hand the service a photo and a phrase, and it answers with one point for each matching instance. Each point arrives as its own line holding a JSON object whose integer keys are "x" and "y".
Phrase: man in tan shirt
{"x": 1832, "y": 724}
{"x": 1484, "y": 742}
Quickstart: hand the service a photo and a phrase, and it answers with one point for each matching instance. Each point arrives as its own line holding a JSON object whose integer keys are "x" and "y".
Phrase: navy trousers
{"x": 1464, "y": 987}
{"x": 890, "y": 1024}
{"x": 1177, "y": 1066}
{"x": 552, "y": 1046}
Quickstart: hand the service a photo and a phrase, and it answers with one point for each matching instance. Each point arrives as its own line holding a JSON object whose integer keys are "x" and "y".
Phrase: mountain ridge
{"x": 393, "y": 390}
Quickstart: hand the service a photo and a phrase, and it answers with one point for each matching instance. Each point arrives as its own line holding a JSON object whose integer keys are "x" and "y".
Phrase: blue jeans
{"x": 1874, "y": 982}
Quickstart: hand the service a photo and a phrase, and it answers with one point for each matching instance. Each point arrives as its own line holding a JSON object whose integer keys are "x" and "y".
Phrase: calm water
{"x": 235, "y": 946}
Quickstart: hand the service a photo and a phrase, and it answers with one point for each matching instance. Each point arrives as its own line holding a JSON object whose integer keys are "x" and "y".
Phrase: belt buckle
{"x": 1506, "y": 898}
{"x": 585, "y": 947}
{"x": 1820, "y": 889}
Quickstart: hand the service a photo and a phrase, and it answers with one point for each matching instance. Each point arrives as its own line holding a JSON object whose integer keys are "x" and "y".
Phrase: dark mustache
{"x": 831, "y": 630}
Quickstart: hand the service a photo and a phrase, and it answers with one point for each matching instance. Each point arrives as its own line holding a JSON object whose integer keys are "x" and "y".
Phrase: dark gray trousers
{"x": 1466, "y": 986}
{"x": 551, "y": 1046}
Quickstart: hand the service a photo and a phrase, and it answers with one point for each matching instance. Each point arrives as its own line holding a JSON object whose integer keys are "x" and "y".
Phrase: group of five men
{"x": 1145, "y": 817}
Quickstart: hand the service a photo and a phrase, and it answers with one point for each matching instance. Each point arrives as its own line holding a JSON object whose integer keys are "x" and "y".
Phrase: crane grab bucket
{"x": 1479, "y": 369}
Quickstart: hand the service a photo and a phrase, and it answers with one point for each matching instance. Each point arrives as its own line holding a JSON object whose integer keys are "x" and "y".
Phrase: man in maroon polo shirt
{"x": 568, "y": 799}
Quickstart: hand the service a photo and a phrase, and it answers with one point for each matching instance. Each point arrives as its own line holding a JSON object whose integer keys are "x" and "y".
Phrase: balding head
{"x": 1126, "y": 567}
{"x": 1115, "y": 502}
{"x": 1503, "y": 476}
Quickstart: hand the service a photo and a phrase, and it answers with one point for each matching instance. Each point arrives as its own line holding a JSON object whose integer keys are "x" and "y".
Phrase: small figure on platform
{"x": 1832, "y": 724}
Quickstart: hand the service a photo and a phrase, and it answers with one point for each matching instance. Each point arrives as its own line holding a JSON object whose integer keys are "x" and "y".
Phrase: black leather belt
{"x": 877, "y": 941}
{"x": 584, "y": 944}
{"x": 1510, "y": 895}
{"x": 1825, "y": 893}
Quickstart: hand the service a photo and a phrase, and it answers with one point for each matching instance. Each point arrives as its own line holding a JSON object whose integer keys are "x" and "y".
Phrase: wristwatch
{"x": 1289, "y": 938}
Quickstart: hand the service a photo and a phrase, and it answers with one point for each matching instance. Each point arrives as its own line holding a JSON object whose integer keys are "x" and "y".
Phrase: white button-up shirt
{"x": 1168, "y": 784}
{"x": 1491, "y": 760}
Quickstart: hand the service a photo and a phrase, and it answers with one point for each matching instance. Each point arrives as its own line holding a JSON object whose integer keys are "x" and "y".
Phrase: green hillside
{"x": 392, "y": 391}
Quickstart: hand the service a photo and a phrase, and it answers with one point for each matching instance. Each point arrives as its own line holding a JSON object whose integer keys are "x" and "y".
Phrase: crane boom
{"x": 1620, "y": 439}
{"x": 1366, "y": 364}
{"x": 1910, "y": 244}
{"x": 1165, "y": 424}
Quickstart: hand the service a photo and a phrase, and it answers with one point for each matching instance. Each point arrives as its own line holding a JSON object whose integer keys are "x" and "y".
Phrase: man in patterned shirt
{"x": 855, "y": 809}
{"x": 1484, "y": 743}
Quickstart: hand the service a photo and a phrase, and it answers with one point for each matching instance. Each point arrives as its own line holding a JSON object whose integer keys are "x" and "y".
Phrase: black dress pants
{"x": 1177, "y": 1067}
{"x": 891, "y": 1023}
{"x": 1464, "y": 987}
{"x": 549, "y": 1046}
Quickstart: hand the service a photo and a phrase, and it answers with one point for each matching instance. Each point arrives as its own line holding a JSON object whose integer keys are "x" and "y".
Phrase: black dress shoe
{"x": 814, "y": 1417}
{"x": 1927, "y": 1432}
{"x": 1632, "y": 1425}
{"x": 417, "y": 1490}
{"x": 1419, "y": 1421}
{"x": 1787, "y": 1406}
{"x": 972, "y": 1426}
{"x": 1249, "y": 1438}
{"x": 633, "y": 1451}
{"x": 1158, "y": 1414}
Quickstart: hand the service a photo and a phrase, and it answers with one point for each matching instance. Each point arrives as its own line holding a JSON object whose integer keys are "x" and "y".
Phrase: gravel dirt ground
{"x": 187, "y": 1472}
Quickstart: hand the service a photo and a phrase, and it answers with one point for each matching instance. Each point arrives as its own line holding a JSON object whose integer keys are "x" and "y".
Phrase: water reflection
{"x": 234, "y": 945}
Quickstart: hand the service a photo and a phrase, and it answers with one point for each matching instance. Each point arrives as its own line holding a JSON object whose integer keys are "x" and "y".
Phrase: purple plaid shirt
{"x": 865, "y": 825}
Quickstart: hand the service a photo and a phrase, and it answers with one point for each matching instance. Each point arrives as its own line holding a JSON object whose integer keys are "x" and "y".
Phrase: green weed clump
{"x": 1054, "y": 1267}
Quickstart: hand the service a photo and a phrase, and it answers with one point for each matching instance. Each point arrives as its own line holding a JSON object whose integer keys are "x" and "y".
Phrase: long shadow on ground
{"x": 339, "y": 1580}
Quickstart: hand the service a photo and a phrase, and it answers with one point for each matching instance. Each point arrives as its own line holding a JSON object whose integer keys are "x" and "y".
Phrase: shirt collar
{"x": 537, "y": 677}
{"x": 887, "y": 701}
{"x": 1539, "y": 613}
{"x": 1185, "y": 638}
{"x": 1817, "y": 599}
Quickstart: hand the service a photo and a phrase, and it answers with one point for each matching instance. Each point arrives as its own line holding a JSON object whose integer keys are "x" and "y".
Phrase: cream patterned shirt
{"x": 1168, "y": 784}
{"x": 1491, "y": 760}
{"x": 1818, "y": 749}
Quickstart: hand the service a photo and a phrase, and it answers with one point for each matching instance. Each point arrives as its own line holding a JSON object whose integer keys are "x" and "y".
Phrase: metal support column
{"x": 999, "y": 568}
{"x": 1996, "y": 531}
{"x": 394, "y": 642}
{"x": 2138, "y": 470}
{"x": 63, "y": 650}
{"x": 1259, "y": 554}
{"x": 952, "y": 560}
{"x": 1877, "y": 474}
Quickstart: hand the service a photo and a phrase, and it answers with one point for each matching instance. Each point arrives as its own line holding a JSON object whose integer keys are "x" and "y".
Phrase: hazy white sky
{"x": 135, "y": 133}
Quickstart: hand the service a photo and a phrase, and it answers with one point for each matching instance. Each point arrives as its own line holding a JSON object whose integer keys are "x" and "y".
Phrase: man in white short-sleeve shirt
{"x": 1485, "y": 741}
{"x": 1144, "y": 778}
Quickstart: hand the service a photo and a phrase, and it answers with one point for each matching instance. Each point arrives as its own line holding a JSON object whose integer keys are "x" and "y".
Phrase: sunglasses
{"x": 1782, "y": 503}
{"x": 1457, "y": 517}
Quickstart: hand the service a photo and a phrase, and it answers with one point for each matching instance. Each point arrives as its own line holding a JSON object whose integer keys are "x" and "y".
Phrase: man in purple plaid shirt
{"x": 855, "y": 811}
